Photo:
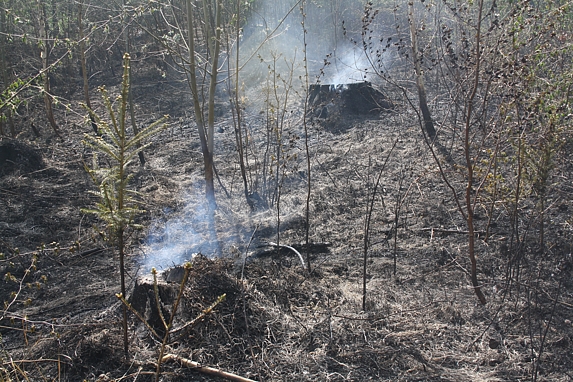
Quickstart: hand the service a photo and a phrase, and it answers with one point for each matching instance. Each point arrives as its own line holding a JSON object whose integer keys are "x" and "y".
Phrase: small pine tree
{"x": 117, "y": 206}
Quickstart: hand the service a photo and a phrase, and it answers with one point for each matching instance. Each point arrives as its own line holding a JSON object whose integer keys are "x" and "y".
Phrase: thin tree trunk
{"x": 206, "y": 139}
{"x": 130, "y": 95}
{"x": 203, "y": 137}
{"x": 428, "y": 121}
{"x": 212, "y": 88}
{"x": 44, "y": 54}
{"x": 121, "y": 203}
{"x": 306, "y": 142}
{"x": 82, "y": 45}
{"x": 470, "y": 164}
{"x": 121, "y": 246}
{"x": 4, "y": 65}
{"x": 6, "y": 78}
{"x": 238, "y": 129}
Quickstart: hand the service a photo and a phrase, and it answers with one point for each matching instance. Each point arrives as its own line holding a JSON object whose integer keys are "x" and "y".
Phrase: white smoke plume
{"x": 181, "y": 235}
{"x": 272, "y": 46}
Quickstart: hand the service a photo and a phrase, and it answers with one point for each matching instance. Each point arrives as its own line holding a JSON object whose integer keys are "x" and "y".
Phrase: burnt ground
{"x": 421, "y": 323}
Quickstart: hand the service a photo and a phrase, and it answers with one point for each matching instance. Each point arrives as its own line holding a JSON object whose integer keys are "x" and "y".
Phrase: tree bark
{"x": 428, "y": 121}
{"x": 44, "y": 55}
{"x": 207, "y": 140}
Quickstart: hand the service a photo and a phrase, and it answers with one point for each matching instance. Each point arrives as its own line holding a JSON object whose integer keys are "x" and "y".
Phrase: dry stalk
{"x": 138, "y": 315}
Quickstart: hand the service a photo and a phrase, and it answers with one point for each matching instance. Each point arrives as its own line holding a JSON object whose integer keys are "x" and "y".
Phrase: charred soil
{"x": 422, "y": 321}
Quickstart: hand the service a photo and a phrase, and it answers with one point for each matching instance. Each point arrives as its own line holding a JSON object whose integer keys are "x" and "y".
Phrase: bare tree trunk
{"x": 4, "y": 65}
{"x": 216, "y": 46}
{"x": 428, "y": 121}
{"x": 466, "y": 209}
{"x": 130, "y": 95}
{"x": 207, "y": 140}
{"x": 44, "y": 54}
{"x": 121, "y": 248}
{"x": 237, "y": 109}
{"x": 82, "y": 46}
{"x": 306, "y": 143}
{"x": 470, "y": 164}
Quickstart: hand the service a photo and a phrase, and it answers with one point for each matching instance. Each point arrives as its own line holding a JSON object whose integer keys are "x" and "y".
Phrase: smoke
{"x": 273, "y": 42}
{"x": 273, "y": 47}
{"x": 347, "y": 65}
{"x": 274, "y": 38}
{"x": 175, "y": 239}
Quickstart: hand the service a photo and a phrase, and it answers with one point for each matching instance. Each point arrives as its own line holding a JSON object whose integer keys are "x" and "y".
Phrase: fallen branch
{"x": 448, "y": 231}
{"x": 204, "y": 369}
{"x": 292, "y": 249}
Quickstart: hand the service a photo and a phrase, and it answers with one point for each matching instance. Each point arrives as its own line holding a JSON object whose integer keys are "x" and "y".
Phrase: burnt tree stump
{"x": 354, "y": 98}
{"x": 144, "y": 301}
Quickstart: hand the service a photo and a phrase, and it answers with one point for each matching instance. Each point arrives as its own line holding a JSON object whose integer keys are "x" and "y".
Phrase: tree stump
{"x": 144, "y": 299}
{"x": 355, "y": 98}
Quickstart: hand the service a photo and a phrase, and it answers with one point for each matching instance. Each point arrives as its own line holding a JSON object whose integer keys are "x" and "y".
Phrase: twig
{"x": 547, "y": 295}
{"x": 15, "y": 316}
{"x": 445, "y": 230}
{"x": 27, "y": 273}
{"x": 205, "y": 369}
{"x": 138, "y": 315}
{"x": 34, "y": 361}
{"x": 201, "y": 316}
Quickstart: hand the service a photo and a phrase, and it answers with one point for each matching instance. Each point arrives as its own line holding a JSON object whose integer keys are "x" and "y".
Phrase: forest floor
{"x": 421, "y": 320}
